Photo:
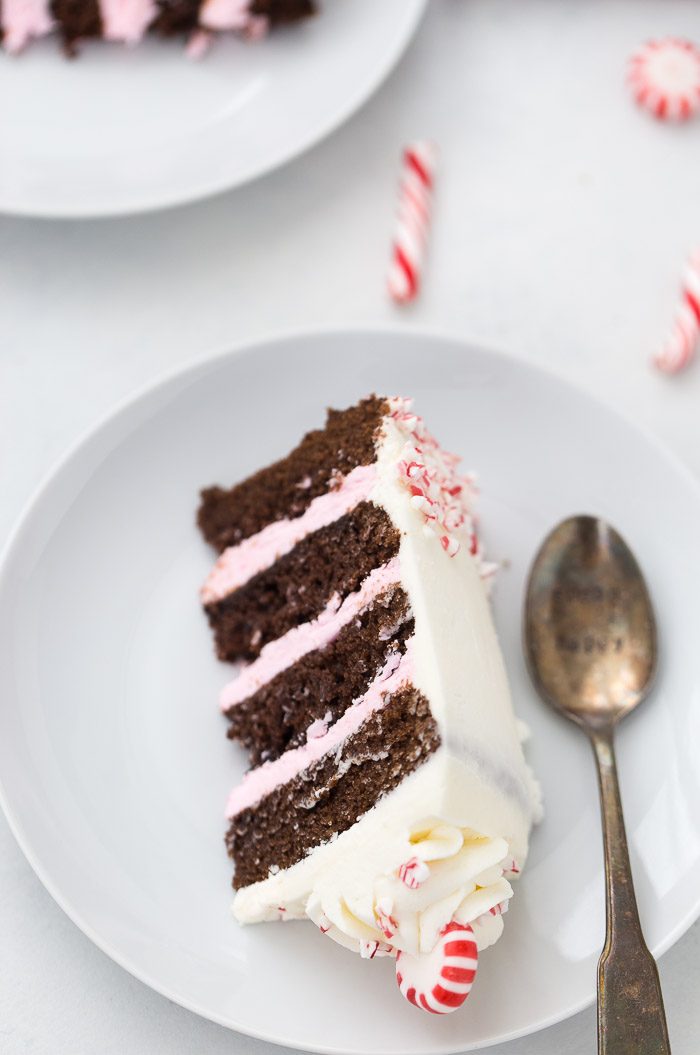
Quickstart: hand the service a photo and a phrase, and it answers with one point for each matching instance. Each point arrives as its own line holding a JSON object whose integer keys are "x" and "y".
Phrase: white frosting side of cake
{"x": 466, "y": 813}
{"x": 458, "y": 661}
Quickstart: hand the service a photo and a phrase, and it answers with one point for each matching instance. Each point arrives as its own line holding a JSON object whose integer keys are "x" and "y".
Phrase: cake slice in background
{"x": 389, "y": 798}
{"x": 128, "y": 21}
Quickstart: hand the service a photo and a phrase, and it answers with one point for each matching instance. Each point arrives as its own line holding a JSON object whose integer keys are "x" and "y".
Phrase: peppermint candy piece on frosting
{"x": 440, "y": 981}
{"x": 385, "y": 921}
{"x": 370, "y": 949}
{"x": 665, "y": 78}
{"x": 413, "y": 873}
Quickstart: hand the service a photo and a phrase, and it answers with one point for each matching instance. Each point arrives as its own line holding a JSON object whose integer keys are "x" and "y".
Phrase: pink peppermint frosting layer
{"x": 261, "y": 781}
{"x": 24, "y": 19}
{"x": 126, "y": 20}
{"x": 238, "y": 564}
{"x": 300, "y": 640}
{"x": 232, "y": 14}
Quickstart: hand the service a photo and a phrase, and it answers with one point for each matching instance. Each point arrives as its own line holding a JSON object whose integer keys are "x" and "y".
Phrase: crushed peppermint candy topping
{"x": 386, "y": 922}
{"x": 437, "y": 490}
{"x": 370, "y": 949}
{"x": 414, "y": 873}
{"x": 324, "y": 924}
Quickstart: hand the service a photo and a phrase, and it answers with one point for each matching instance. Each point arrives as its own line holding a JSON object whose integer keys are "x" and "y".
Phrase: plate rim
{"x": 277, "y": 340}
{"x": 211, "y": 188}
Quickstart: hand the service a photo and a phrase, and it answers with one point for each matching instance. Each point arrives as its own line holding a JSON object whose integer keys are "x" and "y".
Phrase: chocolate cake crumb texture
{"x": 286, "y": 488}
{"x": 322, "y": 684}
{"x": 77, "y": 20}
{"x": 283, "y": 11}
{"x": 330, "y": 796}
{"x": 176, "y": 16}
{"x": 335, "y": 559}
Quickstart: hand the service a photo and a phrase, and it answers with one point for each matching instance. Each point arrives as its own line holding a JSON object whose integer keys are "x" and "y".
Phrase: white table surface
{"x": 562, "y": 221}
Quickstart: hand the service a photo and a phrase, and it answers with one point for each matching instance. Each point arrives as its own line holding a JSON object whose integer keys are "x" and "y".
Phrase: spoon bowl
{"x": 590, "y": 633}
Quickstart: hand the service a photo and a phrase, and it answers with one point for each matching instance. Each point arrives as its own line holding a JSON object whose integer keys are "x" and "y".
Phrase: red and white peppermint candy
{"x": 684, "y": 340}
{"x": 324, "y": 924}
{"x": 370, "y": 949}
{"x": 385, "y": 921}
{"x": 414, "y": 873}
{"x": 412, "y": 220}
{"x": 665, "y": 78}
{"x": 440, "y": 981}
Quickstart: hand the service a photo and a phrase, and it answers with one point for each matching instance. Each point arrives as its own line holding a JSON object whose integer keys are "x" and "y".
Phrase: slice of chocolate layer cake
{"x": 128, "y": 21}
{"x": 389, "y": 797}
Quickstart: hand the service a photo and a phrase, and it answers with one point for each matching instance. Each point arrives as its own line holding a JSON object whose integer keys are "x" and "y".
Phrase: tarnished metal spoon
{"x": 590, "y": 645}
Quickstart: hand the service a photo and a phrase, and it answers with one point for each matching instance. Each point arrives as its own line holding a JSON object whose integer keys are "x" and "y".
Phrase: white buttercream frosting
{"x": 440, "y": 845}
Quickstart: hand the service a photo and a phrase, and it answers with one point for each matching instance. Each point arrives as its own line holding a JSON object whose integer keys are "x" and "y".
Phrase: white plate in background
{"x": 121, "y": 130}
{"x": 114, "y": 764}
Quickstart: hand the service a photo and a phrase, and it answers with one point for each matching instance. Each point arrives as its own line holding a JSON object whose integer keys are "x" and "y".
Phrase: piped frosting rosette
{"x": 461, "y": 878}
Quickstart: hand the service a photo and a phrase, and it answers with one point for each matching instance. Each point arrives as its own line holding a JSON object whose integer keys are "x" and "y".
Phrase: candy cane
{"x": 412, "y": 220}
{"x": 440, "y": 981}
{"x": 664, "y": 76}
{"x": 683, "y": 342}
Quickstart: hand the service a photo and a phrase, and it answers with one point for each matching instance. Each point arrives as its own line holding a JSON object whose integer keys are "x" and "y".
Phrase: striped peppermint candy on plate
{"x": 664, "y": 76}
{"x": 440, "y": 981}
{"x": 682, "y": 344}
{"x": 412, "y": 220}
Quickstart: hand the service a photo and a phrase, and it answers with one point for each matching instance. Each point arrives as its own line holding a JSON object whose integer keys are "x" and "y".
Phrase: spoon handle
{"x": 631, "y": 1018}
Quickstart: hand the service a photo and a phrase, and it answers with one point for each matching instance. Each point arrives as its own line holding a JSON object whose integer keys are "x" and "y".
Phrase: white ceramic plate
{"x": 113, "y": 758}
{"x": 120, "y": 130}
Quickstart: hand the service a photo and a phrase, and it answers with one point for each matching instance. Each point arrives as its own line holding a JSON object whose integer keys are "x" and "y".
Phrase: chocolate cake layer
{"x": 330, "y": 796}
{"x": 80, "y": 19}
{"x": 77, "y": 20}
{"x": 283, "y": 11}
{"x": 324, "y": 683}
{"x": 285, "y": 489}
{"x": 182, "y": 16}
{"x": 335, "y": 559}
{"x": 176, "y": 16}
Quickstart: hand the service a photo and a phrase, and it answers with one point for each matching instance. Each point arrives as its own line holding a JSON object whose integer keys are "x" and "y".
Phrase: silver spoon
{"x": 590, "y": 645}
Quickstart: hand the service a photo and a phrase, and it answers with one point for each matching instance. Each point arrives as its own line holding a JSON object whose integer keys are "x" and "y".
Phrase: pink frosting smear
{"x": 238, "y": 564}
{"x": 24, "y": 19}
{"x": 198, "y": 44}
{"x": 261, "y": 781}
{"x": 300, "y": 640}
{"x": 232, "y": 14}
{"x": 126, "y": 20}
